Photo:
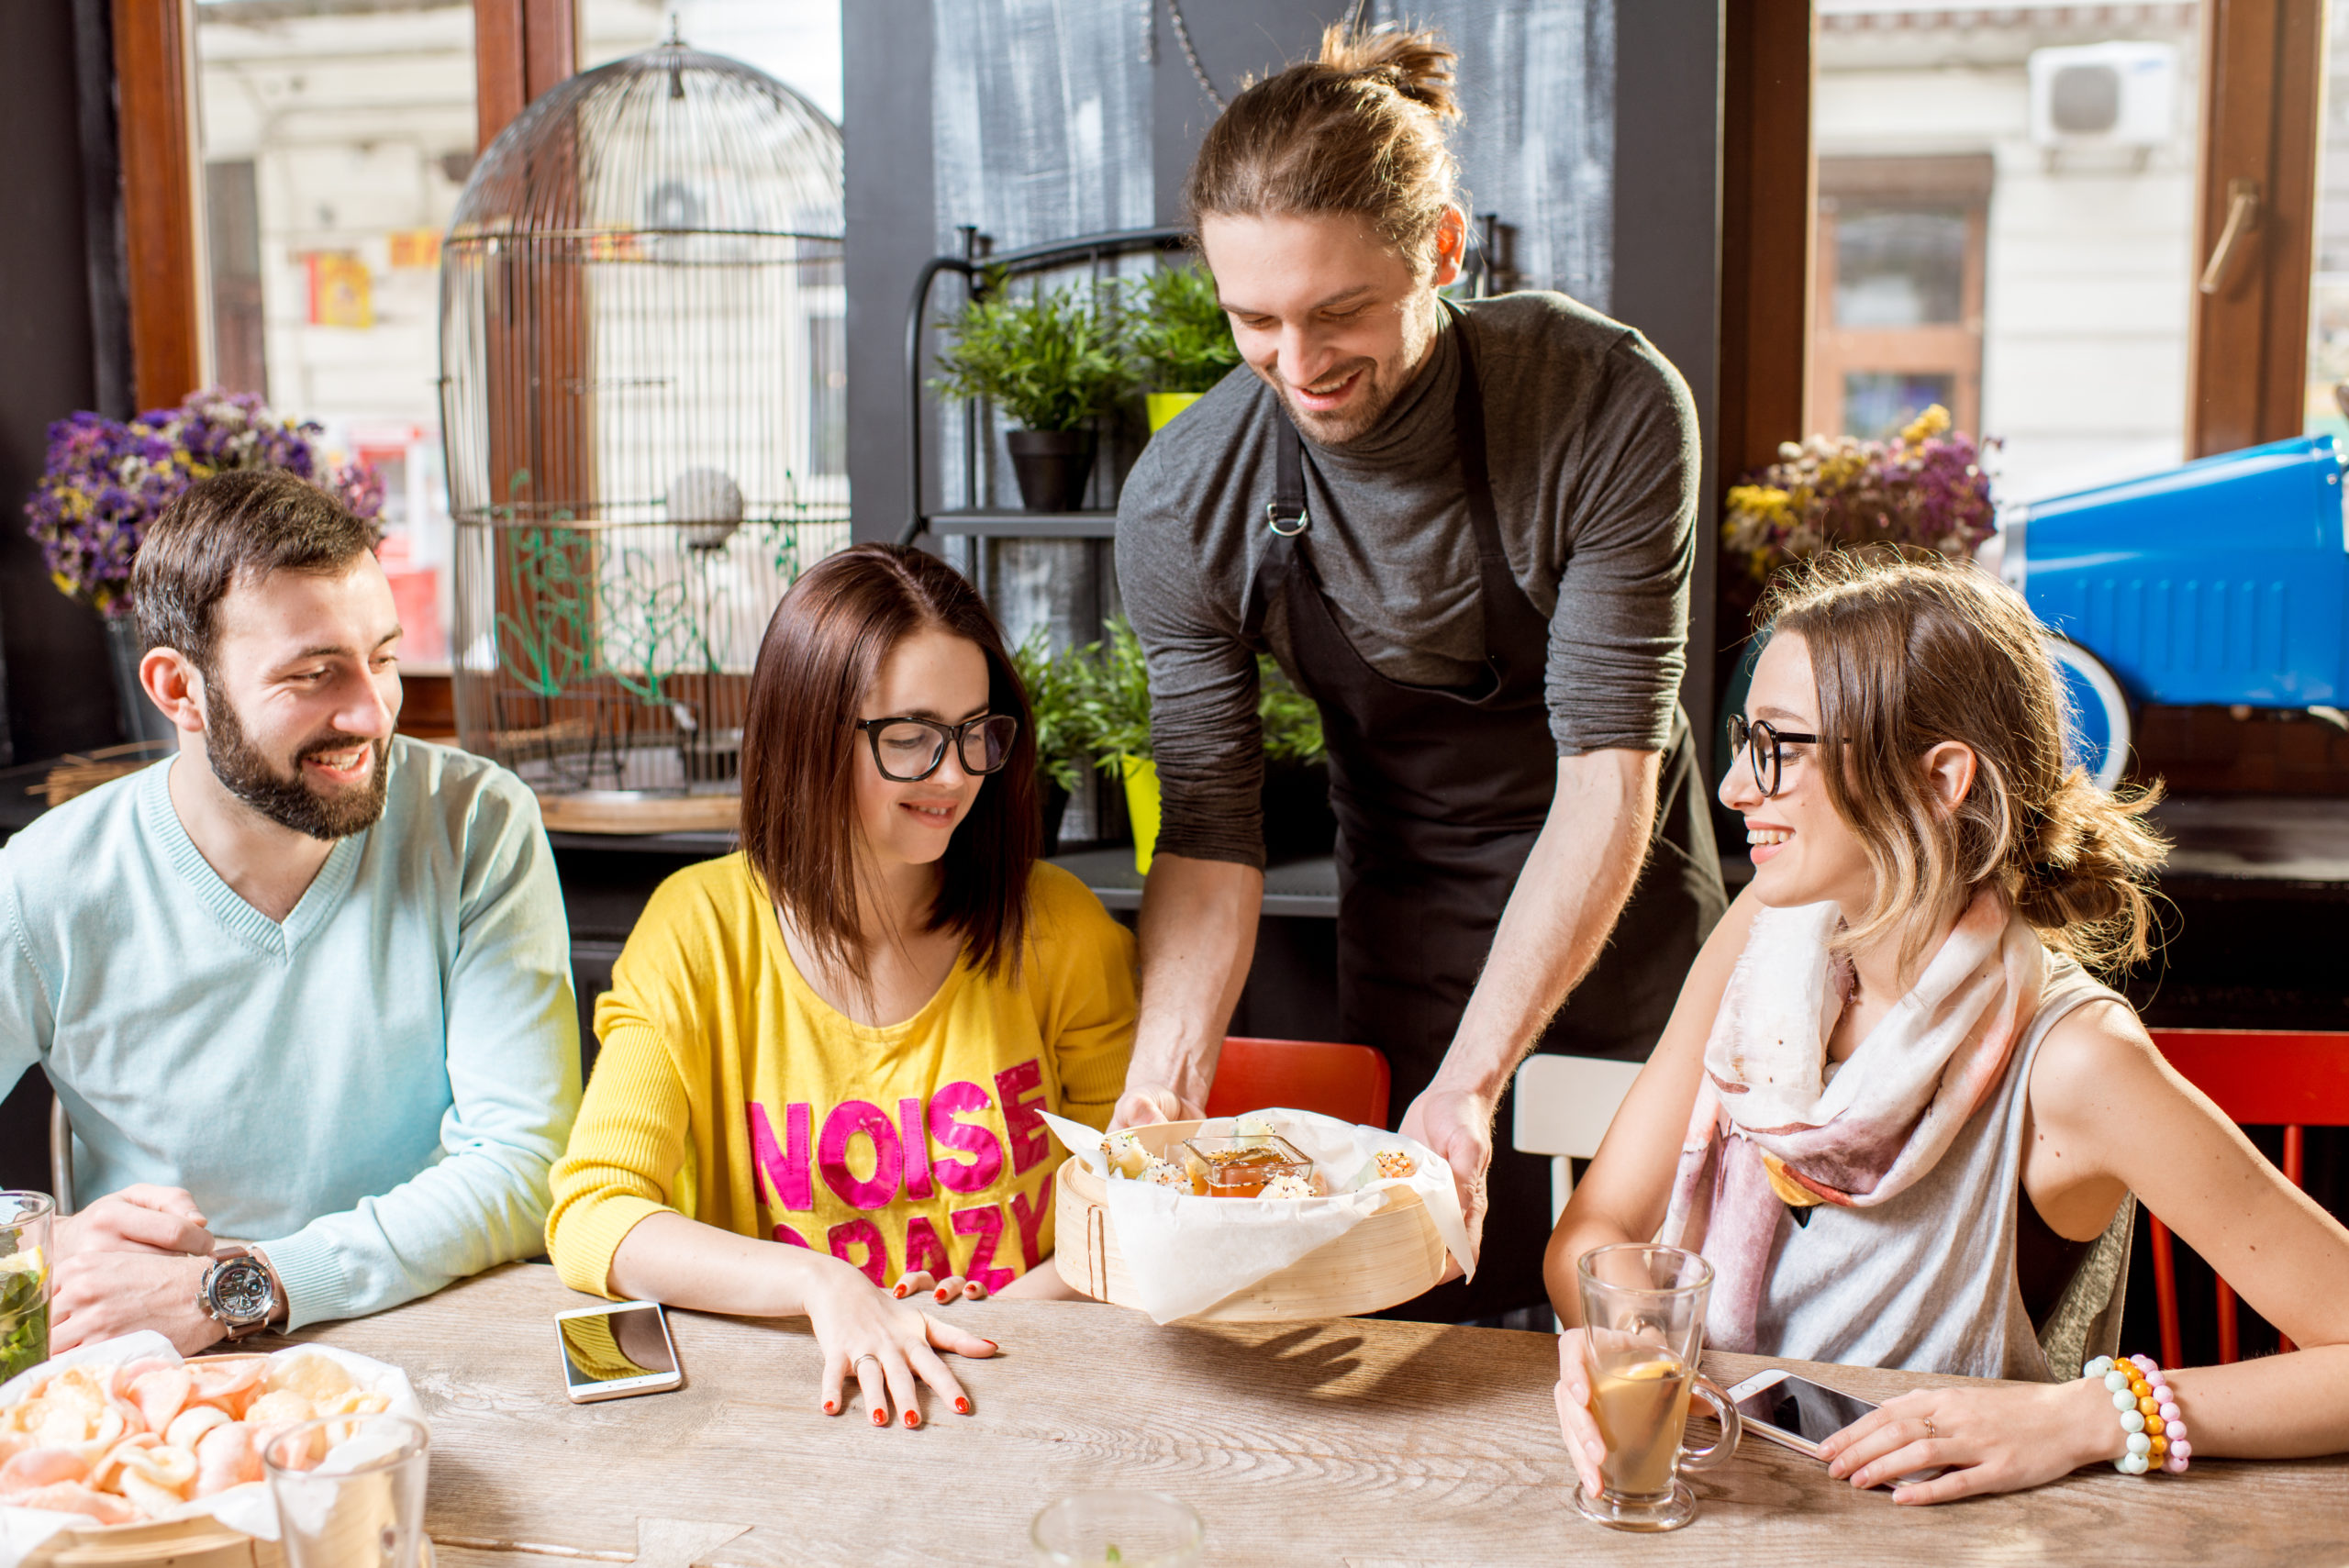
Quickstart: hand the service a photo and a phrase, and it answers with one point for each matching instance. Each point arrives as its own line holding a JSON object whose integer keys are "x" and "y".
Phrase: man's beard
{"x": 291, "y": 802}
{"x": 1370, "y": 403}
{"x": 1383, "y": 382}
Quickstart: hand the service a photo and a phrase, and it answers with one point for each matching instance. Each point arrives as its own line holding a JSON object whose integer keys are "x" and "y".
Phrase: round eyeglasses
{"x": 908, "y": 750}
{"x": 1760, "y": 740}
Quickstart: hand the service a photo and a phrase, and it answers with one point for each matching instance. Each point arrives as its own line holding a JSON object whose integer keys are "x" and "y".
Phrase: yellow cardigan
{"x": 730, "y": 1092}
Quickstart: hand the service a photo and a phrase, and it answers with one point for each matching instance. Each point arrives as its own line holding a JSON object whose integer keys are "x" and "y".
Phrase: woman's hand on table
{"x": 1584, "y": 1445}
{"x": 1986, "y": 1439}
{"x": 886, "y": 1344}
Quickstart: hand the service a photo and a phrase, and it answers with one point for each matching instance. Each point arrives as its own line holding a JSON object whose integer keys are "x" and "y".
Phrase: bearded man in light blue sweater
{"x": 304, "y": 987}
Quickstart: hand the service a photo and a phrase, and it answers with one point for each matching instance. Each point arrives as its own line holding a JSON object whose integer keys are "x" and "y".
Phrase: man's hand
{"x": 1458, "y": 1125}
{"x": 101, "y": 1294}
{"x": 142, "y": 1219}
{"x": 1142, "y": 1103}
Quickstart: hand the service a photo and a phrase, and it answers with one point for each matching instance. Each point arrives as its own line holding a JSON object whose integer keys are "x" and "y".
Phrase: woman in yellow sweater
{"x": 824, "y": 1057}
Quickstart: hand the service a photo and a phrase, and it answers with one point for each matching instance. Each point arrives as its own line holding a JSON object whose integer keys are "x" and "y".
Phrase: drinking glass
{"x": 349, "y": 1492}
{"x": 1643, "y": 1324}
{"x": 25, "y": 1276}
{"x": 1136, "y": 1529}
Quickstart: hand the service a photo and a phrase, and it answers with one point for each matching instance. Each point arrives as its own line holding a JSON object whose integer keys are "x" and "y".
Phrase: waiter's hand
{"x": 1142, "y": 1103}
{"x": 1458, "y": 1125}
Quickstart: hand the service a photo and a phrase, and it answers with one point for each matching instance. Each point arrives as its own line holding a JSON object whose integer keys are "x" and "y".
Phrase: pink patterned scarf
{"x": 1776, "y": 1124}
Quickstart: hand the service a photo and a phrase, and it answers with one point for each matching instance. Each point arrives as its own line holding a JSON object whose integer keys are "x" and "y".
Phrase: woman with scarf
{"x": 1897, "y": 1115}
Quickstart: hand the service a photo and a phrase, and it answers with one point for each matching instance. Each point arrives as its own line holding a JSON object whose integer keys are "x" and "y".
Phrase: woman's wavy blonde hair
{"x": 1907, "y": 653}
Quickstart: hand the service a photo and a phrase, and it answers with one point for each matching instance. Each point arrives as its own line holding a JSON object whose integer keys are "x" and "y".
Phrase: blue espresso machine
{"x": 2225, "y": 581}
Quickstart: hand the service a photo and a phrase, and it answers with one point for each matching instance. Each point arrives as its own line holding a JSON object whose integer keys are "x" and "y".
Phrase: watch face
{"x": 241, "y": 1290}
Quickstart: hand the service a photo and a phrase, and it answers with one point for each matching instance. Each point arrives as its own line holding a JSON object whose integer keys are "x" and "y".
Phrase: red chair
{"x": 1349, "y": 1082}
{"x": 2259, "y": 1078}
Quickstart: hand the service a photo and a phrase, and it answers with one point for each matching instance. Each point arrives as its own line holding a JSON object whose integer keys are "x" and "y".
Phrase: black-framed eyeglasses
{"x": 1760, "y": 740}
{"x": 910, "y": 750}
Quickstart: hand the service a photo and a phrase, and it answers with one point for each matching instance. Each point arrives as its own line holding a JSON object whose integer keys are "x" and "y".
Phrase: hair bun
{"x": 1416, "y": 62}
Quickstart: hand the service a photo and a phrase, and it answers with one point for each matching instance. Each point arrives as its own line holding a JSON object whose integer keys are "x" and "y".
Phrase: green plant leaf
{"x": 1050, "y": 361}
{"x": 1177, "y": 331}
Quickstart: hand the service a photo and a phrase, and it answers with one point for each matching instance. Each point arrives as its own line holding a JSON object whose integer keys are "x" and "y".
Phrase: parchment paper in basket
{"x": 1185, "y": 1253}
{"x": 246, "y": 1508}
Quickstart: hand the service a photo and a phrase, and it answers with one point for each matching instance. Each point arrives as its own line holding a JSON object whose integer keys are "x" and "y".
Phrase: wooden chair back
{"x": 1564, "y": 1105}
{"x": 1349, "y": 1082}
{"x": 2292, "y": 1079}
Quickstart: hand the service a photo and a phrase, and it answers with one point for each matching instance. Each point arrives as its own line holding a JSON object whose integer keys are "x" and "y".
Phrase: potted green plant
{"x": 1113, "y": 726}
{"x": 1055, "y": 683}
{"x": 1180, "y": 338}
{"x": 1052, "y": 362}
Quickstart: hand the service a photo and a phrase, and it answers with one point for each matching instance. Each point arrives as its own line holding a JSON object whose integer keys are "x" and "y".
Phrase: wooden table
{"x": 1357, "y": 1442}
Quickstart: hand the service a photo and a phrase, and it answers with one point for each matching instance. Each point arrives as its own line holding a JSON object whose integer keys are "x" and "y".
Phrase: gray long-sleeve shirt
{"x": 1592, "y": 444}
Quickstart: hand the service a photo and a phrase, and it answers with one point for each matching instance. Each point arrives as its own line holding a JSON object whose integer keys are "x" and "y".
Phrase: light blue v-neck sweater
{"x": 374, "y": 1090}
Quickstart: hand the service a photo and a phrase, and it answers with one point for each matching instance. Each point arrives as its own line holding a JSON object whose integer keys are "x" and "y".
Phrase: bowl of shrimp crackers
{"x": 123, "y": 1454}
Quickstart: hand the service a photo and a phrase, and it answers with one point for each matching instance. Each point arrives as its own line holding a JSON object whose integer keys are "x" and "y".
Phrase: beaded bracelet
{"x": 2149, "y": 1415}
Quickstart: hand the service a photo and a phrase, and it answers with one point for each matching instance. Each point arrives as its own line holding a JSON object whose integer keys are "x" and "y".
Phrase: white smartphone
{"x": 615, "y": 1349}
{"x": 1795, "y": 1411}
{"x": 1791, "y": 1409}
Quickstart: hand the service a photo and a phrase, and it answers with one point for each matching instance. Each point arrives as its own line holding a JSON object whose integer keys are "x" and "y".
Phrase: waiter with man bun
{"x": 1466, "y": 534}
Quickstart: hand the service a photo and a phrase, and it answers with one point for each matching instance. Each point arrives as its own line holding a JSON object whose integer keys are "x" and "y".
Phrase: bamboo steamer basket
{"x": 200, "y": 1542}
{"x": 1386, "y": 1260}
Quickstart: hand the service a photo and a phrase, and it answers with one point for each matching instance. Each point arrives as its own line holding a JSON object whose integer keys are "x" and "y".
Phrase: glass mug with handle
{"x": 1643, "y": 1326}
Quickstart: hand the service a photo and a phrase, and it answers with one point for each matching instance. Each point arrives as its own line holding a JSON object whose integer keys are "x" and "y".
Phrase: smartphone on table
{"x": 1791, "y": 1409}
{"x": 616, "y": 1349}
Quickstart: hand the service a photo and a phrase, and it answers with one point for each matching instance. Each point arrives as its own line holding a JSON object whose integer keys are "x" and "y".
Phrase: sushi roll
{"x": 1394, "y": 1163}
{"x": 1126, "y": 1156}
{"x": 1254, "y": 1126}
{"x": 1166, "y": 1174}
{"x": 1288, "y": 1186}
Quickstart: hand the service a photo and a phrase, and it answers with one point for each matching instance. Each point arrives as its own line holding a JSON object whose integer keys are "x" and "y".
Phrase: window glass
{"x": 335, "y": 140}
{"x": 1897, "y": 267}
{"x": 2329, "y": 285}
{"x": 798, "y": 42}
{"x": 2006, "y": 226}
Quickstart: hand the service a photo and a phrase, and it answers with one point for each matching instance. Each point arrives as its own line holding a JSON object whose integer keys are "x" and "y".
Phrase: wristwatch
{"x": 240, "y": 1292}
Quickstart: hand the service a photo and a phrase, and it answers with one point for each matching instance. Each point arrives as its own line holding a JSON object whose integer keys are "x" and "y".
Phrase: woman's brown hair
{"x": 1358, "y": 131}
{"x": 822, "y": 652}
{"x": 1909, "y": 653}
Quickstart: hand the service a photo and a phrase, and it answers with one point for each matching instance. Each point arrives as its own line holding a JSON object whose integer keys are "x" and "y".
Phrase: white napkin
{"x": 246, "y": 1508}
{"x": 1185, "y": 1252}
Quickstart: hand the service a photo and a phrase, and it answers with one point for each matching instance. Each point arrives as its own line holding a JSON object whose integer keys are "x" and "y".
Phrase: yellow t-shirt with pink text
{"x": 730, "y": 1092}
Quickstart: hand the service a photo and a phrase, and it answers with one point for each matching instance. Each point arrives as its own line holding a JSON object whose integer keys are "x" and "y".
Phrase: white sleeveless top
{"x": 1926, "y": 1280}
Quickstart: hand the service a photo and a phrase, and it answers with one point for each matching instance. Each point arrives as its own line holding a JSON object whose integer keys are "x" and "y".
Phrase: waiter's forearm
{"x": 1579, "y": 875}
{"x": 1199, "y": 935}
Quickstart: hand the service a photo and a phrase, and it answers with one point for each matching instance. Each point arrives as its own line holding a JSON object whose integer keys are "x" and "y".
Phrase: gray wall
{"x": 59, "y": 695}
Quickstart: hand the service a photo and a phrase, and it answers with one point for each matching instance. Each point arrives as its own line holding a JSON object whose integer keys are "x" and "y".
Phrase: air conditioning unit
{"x": 2121, "y": 95}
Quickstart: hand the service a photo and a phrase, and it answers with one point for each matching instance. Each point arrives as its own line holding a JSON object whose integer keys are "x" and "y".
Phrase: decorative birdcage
{"x": 644, "y": 392}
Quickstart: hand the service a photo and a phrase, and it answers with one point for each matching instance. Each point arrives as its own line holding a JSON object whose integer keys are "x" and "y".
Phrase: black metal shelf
{"x": 985, "y": 523}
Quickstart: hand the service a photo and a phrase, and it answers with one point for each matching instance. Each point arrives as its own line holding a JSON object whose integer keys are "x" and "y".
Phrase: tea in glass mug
{"x": 1643, "y": 1326}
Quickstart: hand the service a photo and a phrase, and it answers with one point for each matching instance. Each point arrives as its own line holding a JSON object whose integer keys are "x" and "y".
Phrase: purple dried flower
{"x": 107, "y": 481}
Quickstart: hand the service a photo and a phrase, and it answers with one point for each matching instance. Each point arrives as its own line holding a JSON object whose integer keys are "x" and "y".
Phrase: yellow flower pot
{"x": 1165, "y": 405}
{"x": 1141, "y": 808}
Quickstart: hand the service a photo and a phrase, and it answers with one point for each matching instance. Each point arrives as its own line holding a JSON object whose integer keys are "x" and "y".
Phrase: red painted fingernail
{"x": 880, "y": 1418}
{"x": 991, "y": 1344}
{"x": 913, "y": 1417}
{"x": 831, "y": 1408}
{"x": 961, "y": 1406}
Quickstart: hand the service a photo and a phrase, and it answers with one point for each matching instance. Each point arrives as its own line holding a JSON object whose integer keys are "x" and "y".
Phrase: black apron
{"x": 1440, "y": 794}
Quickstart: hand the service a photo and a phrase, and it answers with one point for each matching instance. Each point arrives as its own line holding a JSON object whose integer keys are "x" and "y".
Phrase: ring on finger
{"x": 862, "y": 1360}
{"x": 1930, "y": 1433}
